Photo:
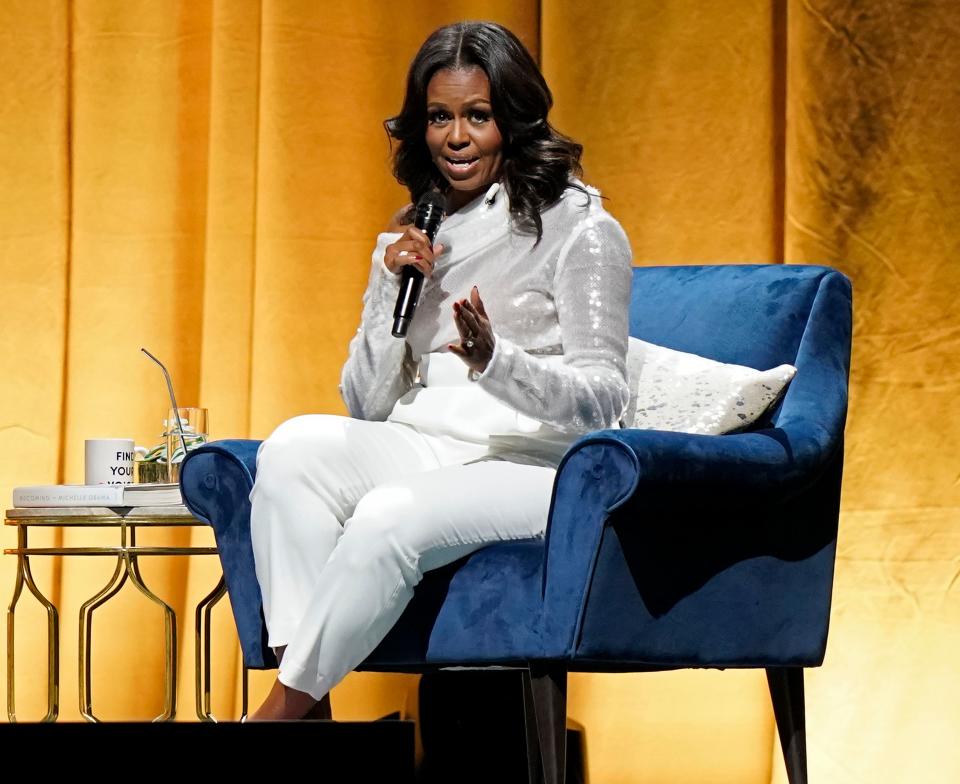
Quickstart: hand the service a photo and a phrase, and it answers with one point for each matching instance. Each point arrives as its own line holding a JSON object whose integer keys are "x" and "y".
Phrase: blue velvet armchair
{"x": 663, "y": 550}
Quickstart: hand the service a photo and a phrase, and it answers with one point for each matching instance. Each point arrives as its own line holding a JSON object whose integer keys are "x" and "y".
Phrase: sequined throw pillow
{"x": 686, "y": 393}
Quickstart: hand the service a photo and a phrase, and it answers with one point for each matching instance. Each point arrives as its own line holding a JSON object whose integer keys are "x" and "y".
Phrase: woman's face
{"x": 462, "y": 136}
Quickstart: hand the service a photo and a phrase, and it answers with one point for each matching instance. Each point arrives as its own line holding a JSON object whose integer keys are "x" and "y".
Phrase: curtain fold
{"x": 206, "y": 179}
{"x": 34, "y": 268}
{"x": 874, "y": 190}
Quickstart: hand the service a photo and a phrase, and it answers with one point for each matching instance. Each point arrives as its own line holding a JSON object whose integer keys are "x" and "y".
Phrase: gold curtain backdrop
{"x": 206, "y": 179}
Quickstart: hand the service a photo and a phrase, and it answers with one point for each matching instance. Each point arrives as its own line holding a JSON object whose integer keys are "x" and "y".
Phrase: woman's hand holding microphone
{"x": 412, "y": 248}
{"x": 469, "y": 315}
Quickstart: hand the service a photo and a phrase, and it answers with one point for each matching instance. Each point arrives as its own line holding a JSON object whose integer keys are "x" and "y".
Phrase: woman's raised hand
{"x": 412, "y": 248}
{"x": 476, "y": 334}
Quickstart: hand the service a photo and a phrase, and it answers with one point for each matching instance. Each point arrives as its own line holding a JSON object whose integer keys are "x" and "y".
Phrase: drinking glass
{"x": 194, "y": 433}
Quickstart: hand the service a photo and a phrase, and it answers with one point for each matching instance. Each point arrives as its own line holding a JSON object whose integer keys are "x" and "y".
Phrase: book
{"x": 147, "y": 494}
{"x": 68, "y": 495}
{"x": 151, "y": 494}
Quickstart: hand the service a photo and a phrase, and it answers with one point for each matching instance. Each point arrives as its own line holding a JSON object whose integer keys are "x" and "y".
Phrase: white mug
{"x": 108, "y": 461}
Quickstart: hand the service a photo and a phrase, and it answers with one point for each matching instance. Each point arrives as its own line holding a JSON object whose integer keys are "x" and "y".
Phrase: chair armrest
{"x": 596, "y": 475}
{"x": 746, "y": 468}
{"x": 199, "y": 494}
{"x": 215, "y": 481}
{"x": 663, "y": 473}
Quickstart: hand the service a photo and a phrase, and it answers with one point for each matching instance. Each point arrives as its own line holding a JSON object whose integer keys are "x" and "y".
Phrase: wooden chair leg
{"x": 545, "y": 717}
{"x": 786, "y": 692}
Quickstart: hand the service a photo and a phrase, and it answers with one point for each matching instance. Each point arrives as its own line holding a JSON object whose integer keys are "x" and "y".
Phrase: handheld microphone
{"x": 430, "y": 210}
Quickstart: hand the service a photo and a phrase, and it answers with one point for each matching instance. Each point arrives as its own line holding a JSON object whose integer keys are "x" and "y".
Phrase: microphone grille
{"x": 433, "y": 199}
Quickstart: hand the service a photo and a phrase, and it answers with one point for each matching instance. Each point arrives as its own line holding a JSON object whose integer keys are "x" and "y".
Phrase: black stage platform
{"x": 356, "y": 752}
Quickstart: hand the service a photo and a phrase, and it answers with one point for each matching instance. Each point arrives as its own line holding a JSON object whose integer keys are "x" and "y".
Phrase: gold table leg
{"x": 170, "y": 629}
{"x": 25, "y": 576}
{"x": 202, "y": 658}
{"x": 111, "y": 589}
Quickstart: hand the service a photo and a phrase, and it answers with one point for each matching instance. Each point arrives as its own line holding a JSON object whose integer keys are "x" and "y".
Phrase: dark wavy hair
{"x": 538, "y": 161}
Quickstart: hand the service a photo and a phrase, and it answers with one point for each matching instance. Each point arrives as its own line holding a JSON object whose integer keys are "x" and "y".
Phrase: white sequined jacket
{"x": 559, "y": 312}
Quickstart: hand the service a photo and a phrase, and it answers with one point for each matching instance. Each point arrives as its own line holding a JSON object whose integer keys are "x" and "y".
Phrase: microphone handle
{"x": 411, "y": 282}
{"x": 429, "y": 214}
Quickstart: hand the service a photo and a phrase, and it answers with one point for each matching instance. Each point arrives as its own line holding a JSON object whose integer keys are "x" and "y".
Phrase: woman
{"x": 456, "y": 431}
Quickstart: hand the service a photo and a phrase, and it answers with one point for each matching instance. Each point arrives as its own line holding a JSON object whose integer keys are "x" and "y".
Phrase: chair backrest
{"x": 760, "y": 316}
{"x": 752, "y": 315}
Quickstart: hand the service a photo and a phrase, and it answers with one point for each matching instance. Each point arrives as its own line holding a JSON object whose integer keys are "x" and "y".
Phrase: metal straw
{"x": 173, "y": 402}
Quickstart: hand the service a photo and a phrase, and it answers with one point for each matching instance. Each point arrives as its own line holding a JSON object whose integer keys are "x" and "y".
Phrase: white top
{"x": 559, "y": 311}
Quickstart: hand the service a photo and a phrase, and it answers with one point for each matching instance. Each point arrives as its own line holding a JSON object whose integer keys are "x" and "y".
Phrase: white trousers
{"x": 346, "y": 517}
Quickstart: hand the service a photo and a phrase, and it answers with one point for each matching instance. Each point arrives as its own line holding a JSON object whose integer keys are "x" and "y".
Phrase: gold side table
{"x": 127, "y": 552}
